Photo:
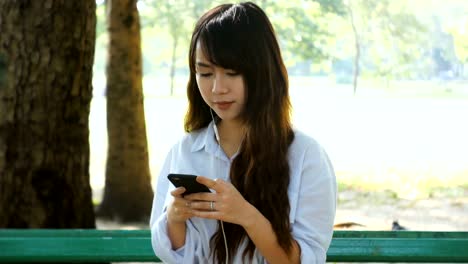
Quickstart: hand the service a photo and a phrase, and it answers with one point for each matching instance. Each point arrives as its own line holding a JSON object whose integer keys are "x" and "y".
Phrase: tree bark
{"x": 2, "y": 70}
{"x": 48, "y": 49}
{"x": 128, "y": 194}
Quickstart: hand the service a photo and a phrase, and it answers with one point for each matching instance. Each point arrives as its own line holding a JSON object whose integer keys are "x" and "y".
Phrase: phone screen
{"x": 187, "y": 181}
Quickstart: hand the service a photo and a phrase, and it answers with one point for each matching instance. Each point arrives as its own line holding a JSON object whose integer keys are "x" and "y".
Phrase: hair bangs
{"x": 223, "y": 41}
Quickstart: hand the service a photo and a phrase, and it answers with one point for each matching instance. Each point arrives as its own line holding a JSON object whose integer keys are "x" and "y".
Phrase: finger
{"x": 203, "y": 205}
{"x": 212, "y": 184}
{"x": 181, "y": 213}
{"x": 181, "y": 206}
{"x": 201, "y": 197}
{"x": 177, "y": 192}
{"x": 207, "y": 214}
{"x": 179, "y": 201}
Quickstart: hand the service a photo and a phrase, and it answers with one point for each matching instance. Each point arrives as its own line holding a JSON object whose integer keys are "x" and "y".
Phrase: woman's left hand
{"x": 225, "y": 204}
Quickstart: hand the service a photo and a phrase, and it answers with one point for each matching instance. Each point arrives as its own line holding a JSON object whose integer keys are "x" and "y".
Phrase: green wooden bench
{"x": 70, "y": 245}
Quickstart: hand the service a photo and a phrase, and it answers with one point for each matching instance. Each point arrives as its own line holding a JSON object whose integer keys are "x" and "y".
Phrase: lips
{"x": 223, "y": 105}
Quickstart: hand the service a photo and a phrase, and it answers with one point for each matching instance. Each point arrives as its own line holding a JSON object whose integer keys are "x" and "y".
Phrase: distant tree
{"x": 176, "y": 31}
{"x": 178, "y": 18}
{"x": 128, "y": 194}
{"x": 387, "y": 38}
{"x": 48, "y": 49}
{"x": 357, "y": 46}
{"x": 460, "y": 35}
{"x": 302, "y": 27}
{"x": 446, "y": 52}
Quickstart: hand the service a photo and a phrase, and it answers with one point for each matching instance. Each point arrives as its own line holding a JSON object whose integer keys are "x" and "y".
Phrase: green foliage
{"x": 460, "y": 34}
{"x": 303, "y": 27}
{"x": 100, "y": 23}
{"x": 396, "y": 36}
{"x": 101, "y": 40}
{"x": 390, "y": 38}
{"x": 167, "y": 25}
{"x": 332, "y": 6}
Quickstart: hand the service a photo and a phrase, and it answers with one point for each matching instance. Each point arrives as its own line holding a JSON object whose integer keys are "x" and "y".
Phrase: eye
{"x": 205, "y": 74}
{"x": 233, "y": 73}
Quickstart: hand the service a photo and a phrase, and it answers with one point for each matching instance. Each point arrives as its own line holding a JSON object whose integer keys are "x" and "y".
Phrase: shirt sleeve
{"x": 158, "y": 220}
{"x": 192, "y": 250}
{"x": 316, "y": 206}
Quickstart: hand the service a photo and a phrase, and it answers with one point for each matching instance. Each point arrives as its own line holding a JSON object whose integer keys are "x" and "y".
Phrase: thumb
{"x": 177, "y": 192}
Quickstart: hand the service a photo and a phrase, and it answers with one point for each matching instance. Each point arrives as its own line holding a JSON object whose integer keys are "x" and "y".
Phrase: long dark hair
{"x": 240, "y": 37}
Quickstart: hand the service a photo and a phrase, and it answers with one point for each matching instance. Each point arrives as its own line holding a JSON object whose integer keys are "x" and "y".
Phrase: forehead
{"x": 199, "y": 54}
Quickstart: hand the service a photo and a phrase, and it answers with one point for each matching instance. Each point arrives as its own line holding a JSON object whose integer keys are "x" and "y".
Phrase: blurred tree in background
{"x": 387, "y": 38}
{"x": 301, "y": 28}
{"x": 460, "y": 35}
{"x": 396, "y": 39}
{"x": 47, "y": 48}
{"x": 128, "y": 194}
{"x": 174, "y": 15}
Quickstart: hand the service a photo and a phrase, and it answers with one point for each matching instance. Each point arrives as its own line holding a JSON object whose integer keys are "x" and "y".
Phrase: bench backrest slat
{"x": 135, "y": 246}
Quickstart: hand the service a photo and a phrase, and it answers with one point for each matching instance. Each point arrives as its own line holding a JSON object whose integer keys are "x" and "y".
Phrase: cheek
{"x": 241, "y": 90}
{"x": 204, "y": 84}
{"x": 204, "y": 88}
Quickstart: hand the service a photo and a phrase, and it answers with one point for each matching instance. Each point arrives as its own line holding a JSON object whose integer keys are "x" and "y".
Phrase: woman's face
{"x": 222, "y": 89}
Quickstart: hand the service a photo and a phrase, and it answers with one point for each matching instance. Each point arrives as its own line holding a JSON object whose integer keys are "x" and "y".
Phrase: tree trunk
{"x": 357, "y": 49}
{"x": 173, "y": 61}
{"x": 48, "y": 49}
{"x": 128, "y": 194}
{"x": 3, "y": 70}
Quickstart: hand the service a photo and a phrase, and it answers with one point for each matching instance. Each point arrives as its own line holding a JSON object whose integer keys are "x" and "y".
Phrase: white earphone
{"x": 215, "y": 128}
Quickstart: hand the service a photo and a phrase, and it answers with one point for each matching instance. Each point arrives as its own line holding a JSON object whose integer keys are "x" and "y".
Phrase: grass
{"x": 409, "y": 139}
{"x": 405, "y": 182}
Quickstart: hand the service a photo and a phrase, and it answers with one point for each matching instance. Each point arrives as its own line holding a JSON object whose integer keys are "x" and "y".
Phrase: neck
{"x": 231, "y": 135}
{"x": 231, "y": 130}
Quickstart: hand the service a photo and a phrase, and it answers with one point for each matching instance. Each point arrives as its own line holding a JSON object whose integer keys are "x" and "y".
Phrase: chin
{"x": 230, "y": 118}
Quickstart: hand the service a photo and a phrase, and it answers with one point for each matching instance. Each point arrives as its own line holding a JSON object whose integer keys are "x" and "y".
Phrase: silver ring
{"x": 212, "y": 206}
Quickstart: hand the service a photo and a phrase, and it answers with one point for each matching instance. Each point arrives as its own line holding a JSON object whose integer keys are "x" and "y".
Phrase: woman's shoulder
{"x": 306, "y": 148}
{"x": 306, "y": 152}
{"x": 304, "y": 142}
{"x": 191, "y": 139}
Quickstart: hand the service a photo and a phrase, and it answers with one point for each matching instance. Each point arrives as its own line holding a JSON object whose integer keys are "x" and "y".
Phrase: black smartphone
{"x": 187, "y": 181}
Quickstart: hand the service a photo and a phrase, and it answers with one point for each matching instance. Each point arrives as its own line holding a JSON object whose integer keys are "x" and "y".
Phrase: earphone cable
{"x": 222, "y": 225}
{"x": 225, "y": 242}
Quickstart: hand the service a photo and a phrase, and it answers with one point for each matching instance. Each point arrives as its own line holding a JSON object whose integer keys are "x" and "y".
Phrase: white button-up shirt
{"x": 311, "y": 192}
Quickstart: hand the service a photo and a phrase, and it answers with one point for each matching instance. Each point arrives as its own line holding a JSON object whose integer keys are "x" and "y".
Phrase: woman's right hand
{"x": 177, "y": 213}
{"x": 179, "y": 210}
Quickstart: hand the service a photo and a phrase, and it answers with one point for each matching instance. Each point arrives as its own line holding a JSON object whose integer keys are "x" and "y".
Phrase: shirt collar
{"x": 205, "y": 139}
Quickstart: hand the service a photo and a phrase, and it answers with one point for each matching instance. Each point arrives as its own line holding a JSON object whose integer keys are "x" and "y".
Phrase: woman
{"x": 273, "y": 188}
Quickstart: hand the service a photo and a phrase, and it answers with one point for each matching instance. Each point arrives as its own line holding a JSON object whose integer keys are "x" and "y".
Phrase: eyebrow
{"x": 202, "y": 64}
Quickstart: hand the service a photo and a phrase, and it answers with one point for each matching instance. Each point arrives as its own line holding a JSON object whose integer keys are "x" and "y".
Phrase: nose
{"x": 219, "y": 85}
